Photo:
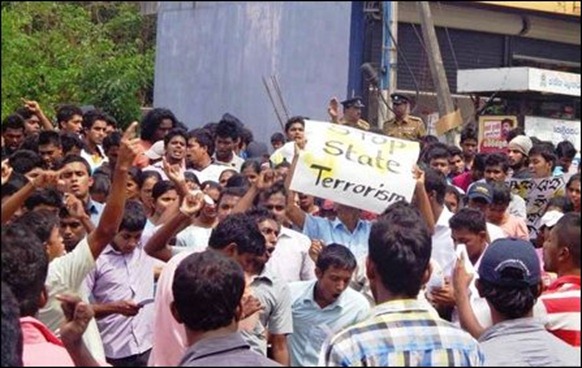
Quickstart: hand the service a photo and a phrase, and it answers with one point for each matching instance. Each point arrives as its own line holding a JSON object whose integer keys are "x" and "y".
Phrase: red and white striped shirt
{"x": 560, "y": 306}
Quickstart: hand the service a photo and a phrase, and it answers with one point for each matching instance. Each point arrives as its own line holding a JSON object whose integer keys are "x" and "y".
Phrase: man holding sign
{"x": 326, "y": 169}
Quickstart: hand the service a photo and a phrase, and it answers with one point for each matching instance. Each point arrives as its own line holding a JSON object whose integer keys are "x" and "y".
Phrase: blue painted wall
{"x": 211, "y": 57}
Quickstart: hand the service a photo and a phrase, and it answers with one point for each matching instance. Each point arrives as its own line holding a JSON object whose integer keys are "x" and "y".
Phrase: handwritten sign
{"x": 554, "y": 130}
{"x": 354, "y": 167}
{"x": 537, "y": 193}
{"x": 493, "y": 132}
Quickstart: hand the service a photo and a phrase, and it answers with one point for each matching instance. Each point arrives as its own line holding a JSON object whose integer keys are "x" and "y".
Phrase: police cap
{"x": 353, "y": 102}
{"x": 398, "y": 99}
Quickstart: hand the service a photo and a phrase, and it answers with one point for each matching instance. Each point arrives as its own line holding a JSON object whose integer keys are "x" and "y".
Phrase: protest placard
{"x": 554, "y": 130}
{"x": 537, "y": 193}
{"x": 354, "y": 167}
{"x": 493, "y": 132}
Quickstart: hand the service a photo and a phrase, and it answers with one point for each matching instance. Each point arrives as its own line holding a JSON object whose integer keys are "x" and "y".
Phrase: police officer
{"x": 403, "y": 125}
{"x": 352, "y": 113}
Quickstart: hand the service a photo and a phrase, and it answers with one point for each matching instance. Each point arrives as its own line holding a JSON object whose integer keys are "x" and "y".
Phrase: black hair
{"x": 24, "y": 266}
{"x": 69, "y": 141}
{"x": 41, "y": 223}
{"x": 568, "y": 232}
{"x": 23, "y": 161}
{"x": 511, "y": 302}
{"x": 110, "y": 120}
{"x": 134, "y": 217}
{"x": 25, "y": 112}
{"x": 435, "y": 151}
{"x": 514, "y": 133}
{"x": 427, "y": 140}
{"x": 112, "y": 140}
{"x": 211, "y": 128}
{"x": 146, "y": 174}
{"x": 469, "y": 132}
{"x": 207, "y": 290}
{"x": 16, "y": 182}
{"x": 544, "y": 150}
{"x": 12, "y": 121}
{"x": 47, "y": 196}
{"x": 497, "y": 159}
{"x": 435, "y": 181}
{"x": 227, "y": 129}
{"x": 204, "y": 138}
{"x": 91, "y": 116}
{"x": 238, "y": 180}
{"x": 30, "y": 142}
{"x": 101, "y": 184}
{"x": 210, "y": 184}
{"x": 241, "y": 230}
{"x": 66, "y": 113}
{"x": 72, "y": 159}
{"x": 260, "y": 214}
{"x": 190, "y": 176}
{"x": 469, "y": 219}
{"x": 278, "y": 137}
{"x": 232, "y": 191}
{"x": 451, "y": 189}
{"x": 255, "y": 165}
{"x": 573, "y": 178}
{"x": 562, "y": 202}
{"x": 454, "y": 151}
{"x": 336, "y": 255}
{"x": 400, "y": 244}
{"x": 501, "y": 194}
{"x": 173, "y": 133}
{"x": 12, "y": 343}
{"x": 49, "y": 137}
{"x": 152, "y": 120}
{"x": 134, "y": 174}
{"x": 565, "y": 149}
{"x": 162, "y": 187}
{"x": 277, "y": 187}
{"x": 283, "y": 163}
{"x": 293, "y": 120}
{"x": 246, "y": 136}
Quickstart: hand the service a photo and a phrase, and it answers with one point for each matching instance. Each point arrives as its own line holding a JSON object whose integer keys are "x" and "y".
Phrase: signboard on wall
{"x": 554, "y": 130}
{"x": 493, "y": 131}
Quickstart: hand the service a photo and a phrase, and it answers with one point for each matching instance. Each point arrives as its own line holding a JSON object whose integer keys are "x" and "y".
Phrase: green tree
{"x": 88, "y": 53}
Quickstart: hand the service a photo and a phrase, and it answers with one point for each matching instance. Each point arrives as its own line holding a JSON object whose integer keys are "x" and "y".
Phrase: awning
{"x": 518, "y": 79}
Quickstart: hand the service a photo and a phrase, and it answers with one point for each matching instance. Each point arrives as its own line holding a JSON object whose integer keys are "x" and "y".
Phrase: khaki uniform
{"x": 411, "y": 128}
{"x": 361, "y": 124}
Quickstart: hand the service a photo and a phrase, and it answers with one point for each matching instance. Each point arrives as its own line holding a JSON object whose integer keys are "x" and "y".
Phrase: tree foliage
{"x": 87, "y": 53}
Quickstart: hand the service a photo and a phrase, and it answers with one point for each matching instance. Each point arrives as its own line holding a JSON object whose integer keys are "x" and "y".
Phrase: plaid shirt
{"x": 402, "y": 333}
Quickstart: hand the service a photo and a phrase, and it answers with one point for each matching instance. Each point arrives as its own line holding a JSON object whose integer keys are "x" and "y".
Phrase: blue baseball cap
{"x": 510, "y": 262}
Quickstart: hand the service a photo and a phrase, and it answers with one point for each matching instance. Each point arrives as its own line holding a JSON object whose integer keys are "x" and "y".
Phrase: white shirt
{"x": 66, "y": 275}
{"x": 96, "y": 160}
{"x": 210, "y": 172}
{"x": 235, "y": 163}
{"x": 443, "y": 247}
{"x": 495, "y": 232}
{"x": 290, "y": 259}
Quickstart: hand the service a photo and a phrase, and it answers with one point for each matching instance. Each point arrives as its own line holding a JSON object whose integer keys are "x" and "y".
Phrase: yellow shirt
{"x": 411, "y": 127}
{"x": 360, "y": 124}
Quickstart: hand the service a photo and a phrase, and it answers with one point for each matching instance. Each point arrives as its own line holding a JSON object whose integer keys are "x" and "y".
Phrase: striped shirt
{"x": 402, "y": 333}
{"x": 560, "y": 306}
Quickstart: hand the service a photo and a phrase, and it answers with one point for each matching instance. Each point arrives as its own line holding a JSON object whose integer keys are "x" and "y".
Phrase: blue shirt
{"x": 312, "y": 325}
{"x": 94, "y": 209}
{"x": 336, "y": 232}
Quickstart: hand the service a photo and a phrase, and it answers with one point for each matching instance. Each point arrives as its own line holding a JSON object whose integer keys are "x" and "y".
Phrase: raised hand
{"x": 174, "y": 172}
{"x": 77, "y": 317}
{"x": 33, "y": 106}
{"x": 46, "y": 178}
{"x": 74, "y": 206}
{"x": 333, "y": 108}
{"x": 315, "y": 248}
{"x": 192, "y": 203}
{"x": 418, "y": 174}
{"x": 6, "y": 171}
{"x": 266, "y": 179}
{"x": 129, "y": 147}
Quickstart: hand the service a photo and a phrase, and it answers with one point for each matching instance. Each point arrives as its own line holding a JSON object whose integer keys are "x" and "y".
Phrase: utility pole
{"x": 437, "y": 69}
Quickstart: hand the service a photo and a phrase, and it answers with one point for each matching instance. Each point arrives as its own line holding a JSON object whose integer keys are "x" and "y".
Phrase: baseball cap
{"x": 481, "y": 190}
{"x": 510, "y": 262}
{"x": 156, "y": 151}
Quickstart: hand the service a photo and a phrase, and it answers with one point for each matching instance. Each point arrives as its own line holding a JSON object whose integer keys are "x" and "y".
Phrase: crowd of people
{"x": 160, "y": 245}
